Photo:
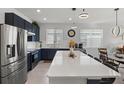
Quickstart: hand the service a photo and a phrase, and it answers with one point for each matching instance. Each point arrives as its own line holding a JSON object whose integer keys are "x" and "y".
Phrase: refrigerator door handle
{"x": 13, "y": 51}
{"x": 18, "y": 43}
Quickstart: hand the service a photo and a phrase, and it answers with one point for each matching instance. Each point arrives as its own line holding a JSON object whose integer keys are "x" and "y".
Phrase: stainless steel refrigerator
{"x": 13, "y": 55}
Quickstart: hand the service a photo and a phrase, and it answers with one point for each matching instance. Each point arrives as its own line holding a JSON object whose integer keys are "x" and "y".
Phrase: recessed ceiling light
{"x": 38, "y": 10}
{"x": 44, "y": 18}
{"x": 70, "y": 19}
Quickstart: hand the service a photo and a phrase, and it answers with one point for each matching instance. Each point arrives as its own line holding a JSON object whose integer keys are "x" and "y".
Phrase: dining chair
{"x": 111, "y": 66}
{"x": 110, "y": 62}
{"x": 103, "y": 80}
{"x": 107, "y": 62}
{"x": 108, "y": 80}
{"x": 102, "y": 52}
{"x": 104, "y": 57}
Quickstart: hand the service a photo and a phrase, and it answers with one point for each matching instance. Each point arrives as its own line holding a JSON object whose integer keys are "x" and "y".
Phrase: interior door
{"x": 6, "y": 44}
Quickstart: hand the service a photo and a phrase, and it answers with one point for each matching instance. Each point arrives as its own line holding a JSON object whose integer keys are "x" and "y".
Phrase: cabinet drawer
{"x": 17, "y": 77}
{"x": 6, "y": 70}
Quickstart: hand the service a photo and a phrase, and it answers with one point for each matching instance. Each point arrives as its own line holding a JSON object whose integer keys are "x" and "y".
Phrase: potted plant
{"x": 71, "y": 46}
{"x": 35, "y": 23}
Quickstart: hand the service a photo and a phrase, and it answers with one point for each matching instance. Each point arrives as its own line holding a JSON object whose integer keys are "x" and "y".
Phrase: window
{"x": 54, "y": 37}
{"x": 59, "y": 38}
{"x": 50, "y": 36}
{"x": 91, "y": 37}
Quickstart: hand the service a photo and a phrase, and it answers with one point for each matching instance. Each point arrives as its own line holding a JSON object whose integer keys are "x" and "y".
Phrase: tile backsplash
{"x": 33, "y": 45}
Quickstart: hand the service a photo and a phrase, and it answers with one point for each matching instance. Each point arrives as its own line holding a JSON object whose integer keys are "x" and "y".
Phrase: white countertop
{"x": 80, "y": 66}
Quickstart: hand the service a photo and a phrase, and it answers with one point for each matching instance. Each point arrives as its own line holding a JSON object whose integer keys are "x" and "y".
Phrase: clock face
{"x": 71, "y": 33}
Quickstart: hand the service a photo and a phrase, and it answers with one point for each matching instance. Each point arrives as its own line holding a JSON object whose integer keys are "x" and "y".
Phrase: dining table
{"x": 77, "y": 70}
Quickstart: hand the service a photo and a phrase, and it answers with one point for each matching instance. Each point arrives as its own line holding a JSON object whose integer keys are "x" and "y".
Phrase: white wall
{"x": 65, "y": 27}
{"x": 33, "y": 45}
{"x": 108, "y": 39}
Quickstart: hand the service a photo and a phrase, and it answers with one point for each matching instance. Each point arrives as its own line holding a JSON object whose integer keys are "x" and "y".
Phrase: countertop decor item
{"x": 72, "y": 46}
{"x": 71, "y": 33}
{"x": 116, "y": 29}
{"x": 72, "y": 43}
{"x": 71, "y": 53}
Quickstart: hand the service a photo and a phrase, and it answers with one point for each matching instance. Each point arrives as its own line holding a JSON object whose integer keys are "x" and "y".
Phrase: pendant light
{"x": 83, "y": 15}
{"x": 116, "y": 29}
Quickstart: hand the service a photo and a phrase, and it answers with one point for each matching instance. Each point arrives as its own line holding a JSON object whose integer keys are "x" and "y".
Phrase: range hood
{"x": 31, "y": 34}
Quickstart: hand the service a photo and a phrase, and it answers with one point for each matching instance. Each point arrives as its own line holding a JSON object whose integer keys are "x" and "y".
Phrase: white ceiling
{"x": 62, "y": 15}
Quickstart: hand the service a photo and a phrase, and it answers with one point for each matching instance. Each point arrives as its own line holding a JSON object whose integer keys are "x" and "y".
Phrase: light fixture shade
{"x": 83, "y": 16}
{"x": 116, "y": 31}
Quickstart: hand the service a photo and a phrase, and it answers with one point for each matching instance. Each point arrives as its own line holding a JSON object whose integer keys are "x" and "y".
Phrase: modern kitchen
{"x": 61, "y": 46}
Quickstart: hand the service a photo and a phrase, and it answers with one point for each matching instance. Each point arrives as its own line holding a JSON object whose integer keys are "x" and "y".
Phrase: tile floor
{"x": 38, "y": 74}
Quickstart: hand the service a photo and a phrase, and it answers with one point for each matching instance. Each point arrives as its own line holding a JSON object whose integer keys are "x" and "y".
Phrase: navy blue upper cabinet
{"x": 37, "y": 34}
{"x": 14, "y": 20}
{"x": 28, "y": 26}
{"x": 35, "y": 29}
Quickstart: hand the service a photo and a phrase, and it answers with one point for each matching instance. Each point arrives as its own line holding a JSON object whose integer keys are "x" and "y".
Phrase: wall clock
{"x": 71, "y": 33}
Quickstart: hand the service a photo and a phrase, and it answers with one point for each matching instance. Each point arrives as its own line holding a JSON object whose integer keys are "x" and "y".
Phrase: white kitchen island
{"x": 67, "y": 70}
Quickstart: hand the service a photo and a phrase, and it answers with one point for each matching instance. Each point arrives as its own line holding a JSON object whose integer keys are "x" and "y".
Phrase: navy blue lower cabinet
{"x": 29, "y": 62}
{"x": 39, "y": 55}
{"x": 44, "y": 55}
{"x": 48, "y": 54}
{"x": 51, "y": 53}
